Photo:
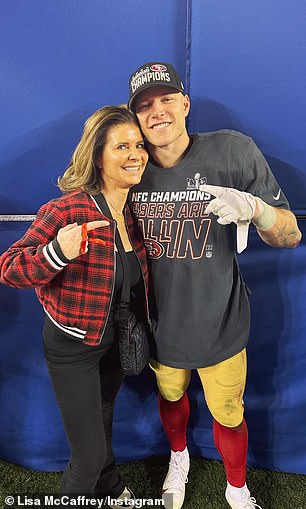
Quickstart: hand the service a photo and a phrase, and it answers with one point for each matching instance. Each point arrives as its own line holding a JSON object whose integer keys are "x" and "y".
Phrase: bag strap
{"x": 126, "y": 285}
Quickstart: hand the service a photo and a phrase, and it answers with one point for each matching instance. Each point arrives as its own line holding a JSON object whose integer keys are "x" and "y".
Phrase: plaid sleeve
{"x": 36, "y": 258}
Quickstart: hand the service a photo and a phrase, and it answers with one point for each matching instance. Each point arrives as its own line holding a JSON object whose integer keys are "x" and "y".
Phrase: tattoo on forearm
{"x": 285, "y": 237}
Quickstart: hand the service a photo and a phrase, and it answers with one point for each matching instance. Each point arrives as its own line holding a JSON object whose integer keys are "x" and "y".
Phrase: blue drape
{"x": 246, "y": 70}
{"x": 31, "y": 432}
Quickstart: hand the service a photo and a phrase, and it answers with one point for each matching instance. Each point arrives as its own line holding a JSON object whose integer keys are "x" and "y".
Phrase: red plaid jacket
{"x": 75, "y": 294}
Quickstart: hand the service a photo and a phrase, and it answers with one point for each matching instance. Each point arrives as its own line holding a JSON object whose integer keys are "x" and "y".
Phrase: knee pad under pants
{"x": 223, "y": 386}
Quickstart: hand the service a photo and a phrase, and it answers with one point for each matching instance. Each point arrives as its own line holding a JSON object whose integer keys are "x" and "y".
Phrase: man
{"x": 195, "y": 202}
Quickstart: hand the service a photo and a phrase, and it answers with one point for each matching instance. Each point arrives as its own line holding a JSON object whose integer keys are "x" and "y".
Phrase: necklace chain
{"x": 112, "y": 206}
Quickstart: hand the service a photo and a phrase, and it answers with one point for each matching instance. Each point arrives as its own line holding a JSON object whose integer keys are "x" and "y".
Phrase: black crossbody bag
{"x": 133, "y": 333}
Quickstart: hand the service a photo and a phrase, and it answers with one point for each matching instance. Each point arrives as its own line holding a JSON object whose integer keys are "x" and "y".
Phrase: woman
{"x": 78, "y": 280}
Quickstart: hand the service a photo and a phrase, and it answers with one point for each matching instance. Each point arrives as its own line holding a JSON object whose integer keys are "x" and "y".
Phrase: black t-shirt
{"x": 199, "y": 301}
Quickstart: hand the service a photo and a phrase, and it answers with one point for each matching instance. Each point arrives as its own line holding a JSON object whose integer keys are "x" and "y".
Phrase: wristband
{"x": 86, "y": 239}
{"x": 267, "y": 216}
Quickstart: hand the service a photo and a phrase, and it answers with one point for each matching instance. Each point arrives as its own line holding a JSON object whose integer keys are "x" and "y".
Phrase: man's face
{"x": 162, "y": 114}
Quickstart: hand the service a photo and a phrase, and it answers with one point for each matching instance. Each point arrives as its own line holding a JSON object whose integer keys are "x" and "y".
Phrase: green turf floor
{"x": 205, "y": 489}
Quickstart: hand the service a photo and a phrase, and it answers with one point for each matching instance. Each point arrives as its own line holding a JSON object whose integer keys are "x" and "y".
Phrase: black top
{"x": 135, "y": 276}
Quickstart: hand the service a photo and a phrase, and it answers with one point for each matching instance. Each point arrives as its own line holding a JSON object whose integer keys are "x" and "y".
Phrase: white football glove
{"x": 232, "y": 206}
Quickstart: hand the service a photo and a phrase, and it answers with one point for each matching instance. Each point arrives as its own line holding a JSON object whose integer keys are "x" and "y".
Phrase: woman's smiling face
{"x": 124, "y": 157}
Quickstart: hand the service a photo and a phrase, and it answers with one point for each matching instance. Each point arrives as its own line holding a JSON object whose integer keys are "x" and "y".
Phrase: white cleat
{"x": 243, "y": 502}
{"x": 173, "y": 492}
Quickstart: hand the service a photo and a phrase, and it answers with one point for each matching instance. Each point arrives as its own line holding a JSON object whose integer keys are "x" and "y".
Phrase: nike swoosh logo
{"x": 277, "y": 196}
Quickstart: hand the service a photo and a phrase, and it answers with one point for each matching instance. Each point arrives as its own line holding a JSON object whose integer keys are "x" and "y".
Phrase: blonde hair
{"x": 83, "y": 172}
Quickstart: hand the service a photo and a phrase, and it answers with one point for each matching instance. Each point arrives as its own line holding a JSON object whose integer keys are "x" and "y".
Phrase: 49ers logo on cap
{"x": 158, "y": 67}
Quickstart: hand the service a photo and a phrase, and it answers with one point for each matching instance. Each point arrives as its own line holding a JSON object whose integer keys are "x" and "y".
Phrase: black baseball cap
{"x": 153, "y": 74}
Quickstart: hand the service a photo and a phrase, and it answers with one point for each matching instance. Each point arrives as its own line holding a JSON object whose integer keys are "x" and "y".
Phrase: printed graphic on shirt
{"x": 196, "y": 181}
{"x": 175, "y": 223}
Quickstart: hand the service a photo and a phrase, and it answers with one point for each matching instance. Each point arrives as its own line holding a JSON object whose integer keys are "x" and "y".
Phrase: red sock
{"x": 174, "y": 417}
{"x": 233, "y": 447}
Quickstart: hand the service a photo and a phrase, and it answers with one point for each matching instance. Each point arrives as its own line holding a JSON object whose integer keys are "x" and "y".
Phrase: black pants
{"x": 86, "y": 380}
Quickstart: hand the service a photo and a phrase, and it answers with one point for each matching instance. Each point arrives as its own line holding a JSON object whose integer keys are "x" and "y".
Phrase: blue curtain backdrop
{"x": 245, "y": 68}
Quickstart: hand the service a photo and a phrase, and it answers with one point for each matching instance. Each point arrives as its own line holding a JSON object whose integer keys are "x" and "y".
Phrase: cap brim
{"x": 152, "y": 85}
